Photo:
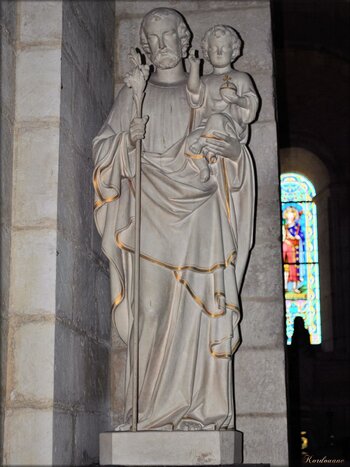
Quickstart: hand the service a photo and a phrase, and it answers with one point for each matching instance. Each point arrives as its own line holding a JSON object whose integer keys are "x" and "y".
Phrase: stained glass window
{"x": 300, "y": 255}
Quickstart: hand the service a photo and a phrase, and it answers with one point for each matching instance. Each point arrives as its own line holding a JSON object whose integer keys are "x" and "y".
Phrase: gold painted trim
{"x": 201, "y": 303}
{"x": 222, "y": 354}
{"x": 118, "y": 299}
{"x": 209, "y": 136}
{"x": 233, "y": 307}
{"x": 102, "y": 200}
{"x": 216, "y": 266}
{"x": 100, "y": 203}
{"x": 131, "y": 186}
{"x": 196, "y": 298}
{"x": 194, "y": 156}
{"x": 96, "y": 175}
{"x": 227, "y": 305}
{"x": 219, "y": 294}
{"x": 227, "y": 190}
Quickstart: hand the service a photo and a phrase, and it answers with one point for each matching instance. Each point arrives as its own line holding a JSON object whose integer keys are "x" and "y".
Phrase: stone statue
{"x": 196, "y": 224}
{"x": 226, "y": 97}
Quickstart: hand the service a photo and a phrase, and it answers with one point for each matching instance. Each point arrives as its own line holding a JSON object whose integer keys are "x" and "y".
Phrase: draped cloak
{"x": 195, "y": 241}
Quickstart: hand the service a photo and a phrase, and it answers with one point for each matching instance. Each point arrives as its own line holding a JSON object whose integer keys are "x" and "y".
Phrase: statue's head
{"x": 221, "y": 45}
{"x": 164, "y": 37}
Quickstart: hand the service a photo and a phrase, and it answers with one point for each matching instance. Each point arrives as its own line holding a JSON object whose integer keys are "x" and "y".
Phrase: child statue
{"x": 225, "y": 99}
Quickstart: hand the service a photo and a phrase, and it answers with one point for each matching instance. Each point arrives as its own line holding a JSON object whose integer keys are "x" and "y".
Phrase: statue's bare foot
{"x": 204, "y": 174}
{"x": 123, "y": 427}
{"x": 189, "y": 425}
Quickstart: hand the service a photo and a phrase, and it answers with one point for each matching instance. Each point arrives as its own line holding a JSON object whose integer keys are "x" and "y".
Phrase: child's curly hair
{"x": 219, "y": 31}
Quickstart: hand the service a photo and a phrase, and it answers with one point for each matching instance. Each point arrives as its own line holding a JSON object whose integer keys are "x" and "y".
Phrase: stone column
{"x": 260, "y": 365}
{"x": 82, "y": 338}
{"x": 7, "y": 113}
{"x": 56, "y": 392}
{"x": 32, "y": 269}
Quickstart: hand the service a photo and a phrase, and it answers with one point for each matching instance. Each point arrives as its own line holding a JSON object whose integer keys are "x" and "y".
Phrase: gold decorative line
{"x": 212, "y": 137}
{"x": 118, "y": 299}
{"x": 227, "y": 190}
{"x": 233, "y": 307}
{"x": 201, "y": 303}
{"x": 227, "y": 305}
{"x": 216, "y": 266}
{"x": 219, "y": 294}
{"x": 95, "y": 183}
{"x": 131, "y": 186}
{"x": 222, "y": 354}
{"x": 100, "y": 203}
{"x": 102, "y": 200}
{"x": 196, "y": 298}
{"x": 217, "y": 342}
{"x": 194, "y": 156}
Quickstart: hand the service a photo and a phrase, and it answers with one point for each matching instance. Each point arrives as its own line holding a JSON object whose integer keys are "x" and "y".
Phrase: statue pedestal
{"x": 146, "y": 448}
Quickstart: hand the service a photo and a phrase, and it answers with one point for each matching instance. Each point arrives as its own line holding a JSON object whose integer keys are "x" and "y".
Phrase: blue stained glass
{"x": 300, "y": 255}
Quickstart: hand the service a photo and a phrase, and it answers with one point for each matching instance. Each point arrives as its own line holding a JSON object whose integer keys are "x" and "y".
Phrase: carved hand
{"x": 229, "y": 95}
{"x": 194, "y": 61}
{"x": 227, "y": 146}
{"x": 137, "y": 130}
{"x": 136, "y": 79}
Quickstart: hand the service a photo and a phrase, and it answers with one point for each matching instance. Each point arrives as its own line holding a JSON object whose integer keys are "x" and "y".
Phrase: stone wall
{"x": 57, "y": 90}
{"x": 82, "y": 338}
{"x": 259, "y": 364}
{"x": 8, "y": 34}
{"x": 33, "y": 188}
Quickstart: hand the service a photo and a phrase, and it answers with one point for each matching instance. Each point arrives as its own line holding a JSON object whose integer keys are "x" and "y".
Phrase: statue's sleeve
{"x": 239, "y": 185}
{"x": 247, "y": 90}
{"x": 195, "y": 101}
{"x": 114, "y": 165}
{"x": 112, "y": 159}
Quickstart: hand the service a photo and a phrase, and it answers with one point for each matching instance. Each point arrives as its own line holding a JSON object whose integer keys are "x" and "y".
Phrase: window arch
{"x": 300, "y": 254}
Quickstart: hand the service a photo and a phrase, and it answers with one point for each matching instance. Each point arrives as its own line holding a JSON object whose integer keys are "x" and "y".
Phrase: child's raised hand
{"x": 194, "y": 61}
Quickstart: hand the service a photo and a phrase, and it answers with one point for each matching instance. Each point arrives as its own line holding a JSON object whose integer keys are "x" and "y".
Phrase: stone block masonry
{"x": 55, "y": 343}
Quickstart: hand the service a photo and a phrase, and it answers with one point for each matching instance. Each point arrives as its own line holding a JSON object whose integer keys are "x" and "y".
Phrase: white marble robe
{"x": 195, "y": 240}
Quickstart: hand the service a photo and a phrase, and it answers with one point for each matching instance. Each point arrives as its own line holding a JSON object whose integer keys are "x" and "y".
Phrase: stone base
{"x": 164, "y": 448}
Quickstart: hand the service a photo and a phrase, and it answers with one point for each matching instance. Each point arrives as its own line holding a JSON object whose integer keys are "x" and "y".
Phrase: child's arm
{"x": 233, "y": 98}
{"x": 193, "y": 83}
{"x": 195, "y": 87}
{"x": 247, "y": 100}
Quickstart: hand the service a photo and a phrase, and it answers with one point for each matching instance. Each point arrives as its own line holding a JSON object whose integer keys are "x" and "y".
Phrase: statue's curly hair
{"x": 182, "y": 28}
{"x": 218, "y": 31}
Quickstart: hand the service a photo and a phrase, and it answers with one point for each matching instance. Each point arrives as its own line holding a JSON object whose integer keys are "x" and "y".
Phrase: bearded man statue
{"x": 195, "y": 242}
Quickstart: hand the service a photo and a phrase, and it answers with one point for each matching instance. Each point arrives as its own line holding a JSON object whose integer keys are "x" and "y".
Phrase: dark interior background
{"x": 311, "y": 43}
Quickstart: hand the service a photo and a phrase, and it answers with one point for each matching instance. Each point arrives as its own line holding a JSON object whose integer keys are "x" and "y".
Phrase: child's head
{"x": 221, "y": 45}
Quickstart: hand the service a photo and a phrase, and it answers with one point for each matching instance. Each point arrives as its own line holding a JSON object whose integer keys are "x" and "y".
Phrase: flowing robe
{"x": 195, "y": 241}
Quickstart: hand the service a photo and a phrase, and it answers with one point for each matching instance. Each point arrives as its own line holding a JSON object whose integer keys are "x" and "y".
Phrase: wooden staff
{"x": 137, "y": 80}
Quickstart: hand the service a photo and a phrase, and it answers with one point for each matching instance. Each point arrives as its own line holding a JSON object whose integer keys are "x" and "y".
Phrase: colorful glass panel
{"x": 300, "y": 255}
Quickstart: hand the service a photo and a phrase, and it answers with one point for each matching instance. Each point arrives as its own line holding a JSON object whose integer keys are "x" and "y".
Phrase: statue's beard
{"x": 166, "y": 59}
